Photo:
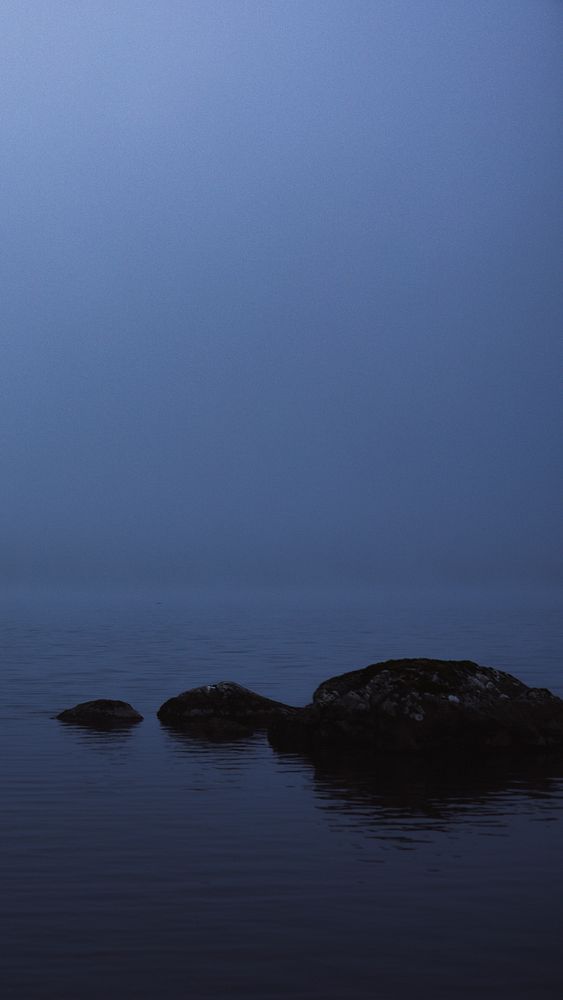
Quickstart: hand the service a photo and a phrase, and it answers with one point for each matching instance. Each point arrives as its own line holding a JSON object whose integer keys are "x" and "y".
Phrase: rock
{"x": 223, "y": 706}
{"x": 101, "y": 714}
{"x": 425, "y": 706}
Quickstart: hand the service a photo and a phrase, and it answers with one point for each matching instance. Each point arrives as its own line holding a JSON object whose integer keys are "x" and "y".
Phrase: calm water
{"x": 150, "y": 865}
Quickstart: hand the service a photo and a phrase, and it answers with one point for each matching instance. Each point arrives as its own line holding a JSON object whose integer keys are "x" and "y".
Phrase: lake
{"x": 149, "y": 864}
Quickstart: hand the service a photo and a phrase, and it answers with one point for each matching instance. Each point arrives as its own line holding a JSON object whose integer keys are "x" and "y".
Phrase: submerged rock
{"x": 225, "y": 706}
{"x": 424, "y": 706}
{"x": 102, "y": 713}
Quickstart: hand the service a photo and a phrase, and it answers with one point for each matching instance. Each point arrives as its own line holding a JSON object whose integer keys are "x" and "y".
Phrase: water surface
{"x": 148, "y": 863}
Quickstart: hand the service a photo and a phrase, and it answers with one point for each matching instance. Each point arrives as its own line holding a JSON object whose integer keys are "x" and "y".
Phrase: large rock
{"x": 425, "y": 706}
{"x": 224, "y": 707}
{"x": 101, "y": 714}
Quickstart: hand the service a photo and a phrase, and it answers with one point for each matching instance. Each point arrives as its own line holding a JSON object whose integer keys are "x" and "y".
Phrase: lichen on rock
{"x": 423, "y": 705}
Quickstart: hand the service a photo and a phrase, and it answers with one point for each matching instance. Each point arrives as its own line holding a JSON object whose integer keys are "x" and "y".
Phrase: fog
{"x": 281, "y": 288}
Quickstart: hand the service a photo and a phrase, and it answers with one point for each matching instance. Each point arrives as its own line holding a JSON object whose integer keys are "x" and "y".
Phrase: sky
{"x": 281, "y": 292}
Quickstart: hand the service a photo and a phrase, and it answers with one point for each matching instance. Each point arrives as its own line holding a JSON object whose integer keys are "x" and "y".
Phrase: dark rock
{"x": 224, "y": 706}
{"x": 425, "y": 706}
{"x": 101, "y": 714}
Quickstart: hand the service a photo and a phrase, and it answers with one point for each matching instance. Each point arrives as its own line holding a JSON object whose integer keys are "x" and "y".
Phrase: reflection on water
{"x": 411, "y": 796}
{"x": 158, "y": 862}
{"x": 396, "y": 799}
{"x": 103, "y": 738}
{"x": 206, "y": 739}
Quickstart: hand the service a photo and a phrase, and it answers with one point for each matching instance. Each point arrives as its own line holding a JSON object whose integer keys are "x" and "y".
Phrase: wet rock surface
{"x": 224, "y": 708}
{"x": 103, "y": 713}
{"x": 422, "y": 705}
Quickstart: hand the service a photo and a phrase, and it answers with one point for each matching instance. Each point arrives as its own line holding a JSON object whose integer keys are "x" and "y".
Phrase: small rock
{"x": 101, "y": 714}
{"x": 225, "y": 704}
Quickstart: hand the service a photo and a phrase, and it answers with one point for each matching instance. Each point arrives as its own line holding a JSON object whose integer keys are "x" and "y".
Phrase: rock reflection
{"x": 206, "y": 738}
{"x": 107, "y": 739}
{"x": 399, "y": 799}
